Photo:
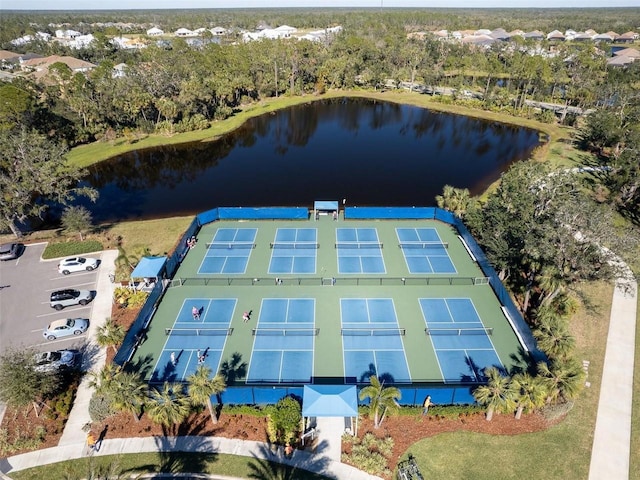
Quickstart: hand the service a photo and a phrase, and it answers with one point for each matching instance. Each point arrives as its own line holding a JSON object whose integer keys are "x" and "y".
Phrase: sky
{"x": 185, "y": 4}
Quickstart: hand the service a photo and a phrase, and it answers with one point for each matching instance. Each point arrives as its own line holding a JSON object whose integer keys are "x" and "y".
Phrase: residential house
{"x": 154, "y": 32}
{"x": 184, "y": 32}
{"x": 556, "y": 36}
{"x": 39, "y": 67}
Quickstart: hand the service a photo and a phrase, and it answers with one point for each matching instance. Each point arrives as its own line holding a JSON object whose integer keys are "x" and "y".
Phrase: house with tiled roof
{"x": 39, "y": 67}
{"x": 627, "y": 37}
{"x": 154, "y": 32}
{"x": 555, "y": 36}
{"x": 628, "y": 52}
{"x": 534, "y": 35}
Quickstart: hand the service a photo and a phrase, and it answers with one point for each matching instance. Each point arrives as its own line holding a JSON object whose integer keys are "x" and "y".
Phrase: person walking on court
{"x": 245, "y": 317}
{"x": 195, "y": 312}
{"x": 173, "y": 358}
{"x": 426, "y": 405}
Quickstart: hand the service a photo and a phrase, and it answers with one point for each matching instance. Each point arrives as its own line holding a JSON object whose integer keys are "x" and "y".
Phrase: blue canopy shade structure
{"x": 324, "y": 205}
{"x": 330, "y": 401}
{"x": 149, "y": 267}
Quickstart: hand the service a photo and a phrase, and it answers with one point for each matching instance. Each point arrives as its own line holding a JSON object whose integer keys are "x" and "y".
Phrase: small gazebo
{"x": 148, "y": 271}
{"x": 331, "y": 401}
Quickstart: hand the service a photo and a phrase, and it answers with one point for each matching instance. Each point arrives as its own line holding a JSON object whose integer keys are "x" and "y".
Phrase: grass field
{"x": 174, "y": 462}
{"x": 563, "y": 451}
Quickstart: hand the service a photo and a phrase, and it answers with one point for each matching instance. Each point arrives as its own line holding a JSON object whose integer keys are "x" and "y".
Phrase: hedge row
{"x": 71, "y": 248}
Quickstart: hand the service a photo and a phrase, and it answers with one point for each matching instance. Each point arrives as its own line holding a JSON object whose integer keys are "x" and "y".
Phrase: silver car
{"x": 65, "y": 328}
{"x": 69, "y": 297}
{"x": 10, "y": 251}
{"x": 53, "y": 361}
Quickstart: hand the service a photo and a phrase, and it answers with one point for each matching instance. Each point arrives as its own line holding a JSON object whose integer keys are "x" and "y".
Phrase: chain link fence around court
{"x": 322, "y": 281}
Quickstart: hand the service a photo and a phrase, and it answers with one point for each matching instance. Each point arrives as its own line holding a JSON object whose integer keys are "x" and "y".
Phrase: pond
{"x": 366, "y": 152}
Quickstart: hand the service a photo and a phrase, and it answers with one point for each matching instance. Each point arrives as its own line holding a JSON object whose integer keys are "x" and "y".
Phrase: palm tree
{"x": 564, "y": 379}
{"x": 529, "y": 392}
{"x": 383, "y": 399}
{"x": 101, "y": 381}
{"x": 128, "y": 393}
{"x": 110, "y": 334}
{"x": 168, "y": 406}
{"x": 495, "y": 395}
{"x": 124, "y": 390}
{"x": 456, "y": 200}
{"x": 554, "y": 338}
{"x": 202, "y": 386}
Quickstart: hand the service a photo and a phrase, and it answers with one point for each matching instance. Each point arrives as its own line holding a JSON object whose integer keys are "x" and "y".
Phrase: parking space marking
{"x": 51, "y": 342}
{"x": 76, "y": 285}
{"x": 63, "y": 311}
{"x": 74, "y": 275}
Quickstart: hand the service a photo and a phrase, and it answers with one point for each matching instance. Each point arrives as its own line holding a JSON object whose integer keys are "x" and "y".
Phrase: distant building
{"x": 154, "y": 32}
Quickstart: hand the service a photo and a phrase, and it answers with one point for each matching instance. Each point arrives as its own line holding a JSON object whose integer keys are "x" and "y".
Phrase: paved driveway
{"x": 25, "y": 287}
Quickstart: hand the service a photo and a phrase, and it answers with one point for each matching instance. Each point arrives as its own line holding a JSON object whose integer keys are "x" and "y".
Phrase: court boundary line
{"x": 432, "y": 272}
{"x": 360, "y": 257}
{"x": 213, "y": 240}
{"x": 293, "y": 257}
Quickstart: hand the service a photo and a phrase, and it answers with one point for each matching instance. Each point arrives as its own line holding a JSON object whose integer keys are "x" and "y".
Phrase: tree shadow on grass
{"x": 187, "y": 454}
{"x": 270, "y": 463}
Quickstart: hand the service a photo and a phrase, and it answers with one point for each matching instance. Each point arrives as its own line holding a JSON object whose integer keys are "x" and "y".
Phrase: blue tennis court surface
{"x": 294, "y": 250}
{"x": 284, "y": 339}
{"x": 229, "y": 251}
{"x": 372, "y": 341}
{"x": 461, "y": 342}
{"x": 424, "y": 251}
{"x": 191, "y": 337}
{"x": 359, "y": 251}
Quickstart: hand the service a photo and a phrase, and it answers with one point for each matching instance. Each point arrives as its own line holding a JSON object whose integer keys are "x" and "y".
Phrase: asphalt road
{"x": 25, "y": 287}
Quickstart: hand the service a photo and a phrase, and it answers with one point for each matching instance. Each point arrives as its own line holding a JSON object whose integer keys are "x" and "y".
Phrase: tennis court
{"x": 283, "y": 341}
{"x": 461, "y": 341}
{"x": 372, "y": 340}
{"x": 424, "y": 251}
{"x": 294, "y": 250}
{"x": 229, "y": 251}
{"x": 330, "y": 302}
{"x": 359, "y": 251}
{"x": 195, "y": 340}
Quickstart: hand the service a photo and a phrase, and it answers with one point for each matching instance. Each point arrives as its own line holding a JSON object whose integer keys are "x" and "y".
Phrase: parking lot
{"x": 25, "y": 288}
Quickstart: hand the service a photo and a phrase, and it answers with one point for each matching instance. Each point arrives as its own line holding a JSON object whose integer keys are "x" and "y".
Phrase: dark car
{"x": 10, "y": 251}
{"x": 69, "y": 297}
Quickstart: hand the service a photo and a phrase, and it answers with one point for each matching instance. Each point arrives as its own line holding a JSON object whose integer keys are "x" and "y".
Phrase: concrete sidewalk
{"x": 94, "y": 356}
{"x": 612, "y": 437}
{"x": 258, "y": 451}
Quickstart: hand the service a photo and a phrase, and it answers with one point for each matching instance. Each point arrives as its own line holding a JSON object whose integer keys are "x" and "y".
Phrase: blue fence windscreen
{"x": 411, "y": 213}
{"x": 263, "y": 213}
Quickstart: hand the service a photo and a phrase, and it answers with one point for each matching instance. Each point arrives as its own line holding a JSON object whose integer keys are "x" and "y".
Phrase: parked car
{"x": 69, "y": 297}
{"x": 10, "y": 251}
{"x": 65, "y": 328}
{"x": 77, "y": 264}
{"x": 53, "y": 361}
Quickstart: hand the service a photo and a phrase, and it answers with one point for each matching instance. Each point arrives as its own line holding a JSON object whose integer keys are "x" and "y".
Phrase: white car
{"x": 77, "y": 264}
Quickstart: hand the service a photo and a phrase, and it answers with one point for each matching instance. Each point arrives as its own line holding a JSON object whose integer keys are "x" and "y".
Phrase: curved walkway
{"x": 611, "y": 445}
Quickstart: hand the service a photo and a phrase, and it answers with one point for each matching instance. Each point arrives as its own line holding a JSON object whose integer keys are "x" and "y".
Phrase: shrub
{"x": 127, "y": 297}
{"x": 370, "y": 454}
{"x": 19, "y": 441}
{"x": 70, "y": 248}
{"x": 244, "y": 410}
{"x": 284, "y": 421}
{"x": 555, "y": 411}
{"x": 100, "y": 408}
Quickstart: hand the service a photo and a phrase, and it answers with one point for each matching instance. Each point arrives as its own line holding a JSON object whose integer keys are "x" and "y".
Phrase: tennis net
{"x": 423, "y": 245}
{"x": 459, "y": 331}
{"x": 295, "y": 245}
{"x": 231, "y": 245}
{"x": 372, "y": 332}
{"x": 357, "y": 245}
{"x": 286, "y": 332}
{"x": 199, "y": 331}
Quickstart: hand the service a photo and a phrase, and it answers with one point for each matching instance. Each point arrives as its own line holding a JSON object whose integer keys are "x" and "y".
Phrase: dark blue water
{"x": 368, "y": 152}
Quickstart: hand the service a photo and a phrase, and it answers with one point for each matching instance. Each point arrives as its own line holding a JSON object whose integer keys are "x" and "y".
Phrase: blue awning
{"x": 149, "y": 267}
{"x": 330, "y": 401}
{"x": 325, "y": 205}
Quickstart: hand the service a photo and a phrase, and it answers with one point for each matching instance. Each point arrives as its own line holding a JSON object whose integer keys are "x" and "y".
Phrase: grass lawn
{"x": 174, "y": 462}
{"x": 563, "y": 451}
